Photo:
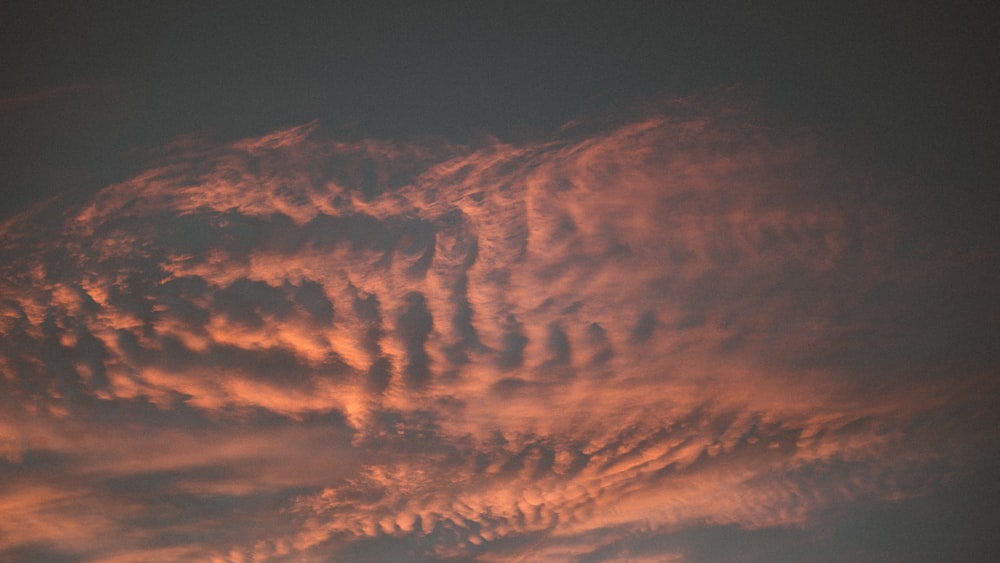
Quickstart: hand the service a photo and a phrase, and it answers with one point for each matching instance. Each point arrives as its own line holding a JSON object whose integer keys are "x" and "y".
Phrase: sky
{"x": 499, "y": 281}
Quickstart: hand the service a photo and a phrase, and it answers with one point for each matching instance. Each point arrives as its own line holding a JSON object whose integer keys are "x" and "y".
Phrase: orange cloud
{"x": 448, "y": 348}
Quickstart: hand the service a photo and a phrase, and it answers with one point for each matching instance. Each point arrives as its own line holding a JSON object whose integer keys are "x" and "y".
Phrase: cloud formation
{"x": 292, "y": 348}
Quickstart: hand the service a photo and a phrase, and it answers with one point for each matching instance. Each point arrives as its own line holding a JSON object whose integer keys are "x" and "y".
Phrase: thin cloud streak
{"x": 28, "y": 99}
{"x": 428, "y": 351}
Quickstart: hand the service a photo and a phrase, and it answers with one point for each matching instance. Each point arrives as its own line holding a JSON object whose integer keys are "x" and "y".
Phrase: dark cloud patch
{"x": 33, "y": 464}
{"x": 369, "y": 180}
{"x": 57, "y": 361}
{"x": 462, "y": 323}
{"x": 374, "y": 170}
{"x": 417, "y": 432}
{"x": 177, "y": 297}
{"x": 572, "y": 308}
{"x": 311, "y": 296}
{"x": 324, "y": 231}
{"x": 92, "y": 353}
{"x": 192, "y": 236}
{"x": 250, "y": 302}
{"x": 387, "y": 548}
{"x": 458, "y": 248}
{"x": 367, "y": 308}
{"x": 279, "y": 233}
{"x": 410, "y": 237}
{"x": 601, "y": 344}
{"x": 704, "y": 545}
{"x": 185, "y": 287}
{"x": 952, "y": 525}
{"x": 513, "y": 342}
{"x": 417, "y": 238}
{"x": 276, "y": 366}
{"x": 17, "y": 346}
{"x": 133, "y": 295}
{"x": 208, "y": 520}
{"x": 448, "y": 541}
{"x": 565, "y": 228}
{"x": 87, "y": 304}
{"x": 558, "y": 345}
{"x": 238, "y": 235}
{"x": 543, "y": 460}
{"x": 379, "y": 374}
{"x": 293, "y": 195}
{"x": 509, "y": 385}
{"x": 186, "y": 234}
{"x": 691, "y": 320}
{"x": 457, "y": 239}
{"x": 140, "y": 412}
{"x": 414, "y": 325}
{"x": 545, "y": 306}
{"x": 30, "y": 384}
{"x": 72, "y": 367}
{"x": 644, "y": 327}
{"x": 128, "y": 343}
{"x": 41, "y": 552}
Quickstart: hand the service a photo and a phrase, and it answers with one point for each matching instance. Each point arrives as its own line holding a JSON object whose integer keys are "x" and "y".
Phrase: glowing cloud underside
{"x": 289, "y": 348}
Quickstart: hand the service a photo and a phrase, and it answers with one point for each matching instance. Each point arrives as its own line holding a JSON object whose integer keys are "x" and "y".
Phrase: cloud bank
{"x": 290, "y": 348}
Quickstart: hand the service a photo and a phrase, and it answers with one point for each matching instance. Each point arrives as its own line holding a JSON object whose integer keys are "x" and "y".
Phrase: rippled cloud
{"x": 294, "y": 348}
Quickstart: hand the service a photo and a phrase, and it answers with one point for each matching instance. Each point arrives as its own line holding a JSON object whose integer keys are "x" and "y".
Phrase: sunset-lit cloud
{"x": 290, "y": 348}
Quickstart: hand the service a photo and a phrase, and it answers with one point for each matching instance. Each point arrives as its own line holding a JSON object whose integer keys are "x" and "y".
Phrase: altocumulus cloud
{"x": 292, "y": 348}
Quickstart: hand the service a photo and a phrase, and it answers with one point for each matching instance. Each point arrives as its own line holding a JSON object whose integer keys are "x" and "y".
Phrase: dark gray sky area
{"x": 907, "y": 86}
{"x": 499, "y": 281}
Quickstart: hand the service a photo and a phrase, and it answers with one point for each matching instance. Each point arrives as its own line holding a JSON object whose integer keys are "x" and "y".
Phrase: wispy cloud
{"x": 27, "y": 99}
{"x": 289, "y": 347}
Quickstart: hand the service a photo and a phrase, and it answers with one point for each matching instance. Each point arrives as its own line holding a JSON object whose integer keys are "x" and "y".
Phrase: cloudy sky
{"x": 505, "y": 281}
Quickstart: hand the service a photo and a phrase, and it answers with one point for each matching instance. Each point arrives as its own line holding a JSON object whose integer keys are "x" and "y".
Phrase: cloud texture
{"x": 289, "y": 348}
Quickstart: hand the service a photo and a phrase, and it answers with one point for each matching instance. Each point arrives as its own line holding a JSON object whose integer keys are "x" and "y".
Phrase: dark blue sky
{"x": 910, "y": 87}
